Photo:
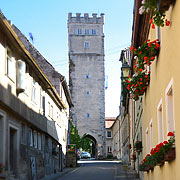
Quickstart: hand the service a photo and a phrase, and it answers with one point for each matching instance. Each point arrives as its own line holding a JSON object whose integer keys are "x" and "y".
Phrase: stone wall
{"x": 86, "y": 75}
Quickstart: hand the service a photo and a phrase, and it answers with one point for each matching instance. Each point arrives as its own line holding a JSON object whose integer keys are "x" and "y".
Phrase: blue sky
{"x": 47, "y": 21}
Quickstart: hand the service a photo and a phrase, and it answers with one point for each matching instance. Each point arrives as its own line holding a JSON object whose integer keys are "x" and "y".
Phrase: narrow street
{"x": 97, "y": 170}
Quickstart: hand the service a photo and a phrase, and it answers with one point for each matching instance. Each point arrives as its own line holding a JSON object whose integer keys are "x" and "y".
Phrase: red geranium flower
{"x": 151, "y": 20}
{"x": 145, "y": 58}
{"x": 167, "y": 22}
{"x": 131, "y": 48}
{"x": 152, "y": 58}
{"x": 165, "y": 142}
{"x": 153, "y": 26}
{"x": 170, "y": 134}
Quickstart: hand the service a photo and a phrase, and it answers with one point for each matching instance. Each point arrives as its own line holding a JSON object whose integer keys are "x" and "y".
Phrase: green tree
{"x": 81, "y": 142}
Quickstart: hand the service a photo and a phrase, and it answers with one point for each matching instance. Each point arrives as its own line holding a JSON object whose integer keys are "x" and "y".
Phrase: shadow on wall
{"x": 39, "y": 152}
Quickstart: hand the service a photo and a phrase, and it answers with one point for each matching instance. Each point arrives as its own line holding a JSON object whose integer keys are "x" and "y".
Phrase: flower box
{"x": 164, "y": 5}
{"x": 160, "y": 163}
{"x": 170, "y": 155}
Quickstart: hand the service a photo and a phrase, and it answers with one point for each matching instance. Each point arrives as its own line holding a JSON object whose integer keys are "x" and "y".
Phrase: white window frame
{"x": 151, "y": 134}
{"x": 160, "y": 121}
{"x": 109, "y": 149}
{"x": 147, "y": 141}
{"x": 10, "y": 64}
{"x": 169, "y": 94}
{"x": 107, "y": 134}
{"x": 34, "y": 91}
{"x": 158, "y": 33}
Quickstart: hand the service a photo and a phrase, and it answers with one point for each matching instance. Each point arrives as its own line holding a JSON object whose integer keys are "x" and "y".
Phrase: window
{"x": 35, "y": 139}
{"x": 170, "y": 107}
{"x": 160, "y": 122}
{"x": 109, "y": 149}
{"x": 86, "y": 31}
{"x": 34, "y": 90}
{"x": 87, "y": 92}
{"x": 147, "y": 141}
{"x": 109, "y": 134}
{"x": 39, "y": 141}
{"x": 87, "y": 76}
{"x": 94, "y": 31}
{"x": 86, "y": 44}
{"x": 79, "y": 31}
{"x": 10, "y": 68}
{"x": 158, "y": 33}
{"x": 151, "y": 134}
{"x": 49, "y": 106}
{"x": 51, "y": 115}
{"x": 31, "y": 137}
{"x": 88, "y": 115}
{"x": 23, "y": 138}
{"x": 43, "y": 104}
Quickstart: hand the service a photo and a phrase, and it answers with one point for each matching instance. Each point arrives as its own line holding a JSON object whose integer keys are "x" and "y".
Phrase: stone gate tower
{"x": 86, "y": 76}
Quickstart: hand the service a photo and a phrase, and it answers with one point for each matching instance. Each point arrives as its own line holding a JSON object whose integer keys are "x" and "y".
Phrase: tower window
{"x": 88, "y": 115}
{"x": 87, "y": 92}
{"x": 86, "y": 31}
{"x": 87, "y": 76}
{"x": 79, "y": 31}
{"x": 94, "y": 31}
{"x": 86, "y": 44}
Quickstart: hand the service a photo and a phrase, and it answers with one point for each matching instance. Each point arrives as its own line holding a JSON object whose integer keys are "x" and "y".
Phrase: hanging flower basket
{"x": 138, "y": 146}
{"x": 158, "y": 9}
{"x": 171, "y": 154}
{"x": 137, "y": 84}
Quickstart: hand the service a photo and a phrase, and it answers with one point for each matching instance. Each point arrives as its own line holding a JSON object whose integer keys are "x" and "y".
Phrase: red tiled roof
{"x": 109, "y": 121}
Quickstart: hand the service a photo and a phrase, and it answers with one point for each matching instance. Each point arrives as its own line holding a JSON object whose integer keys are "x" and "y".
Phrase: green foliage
{"x": 124, "y": 93}
{"x": 74, "y": 136}
{"x": 81, "y": 142}
{"x": 109, "y": 156}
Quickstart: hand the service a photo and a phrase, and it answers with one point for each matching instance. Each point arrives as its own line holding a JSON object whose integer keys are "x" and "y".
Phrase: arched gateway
{"x": 86, "y": 76}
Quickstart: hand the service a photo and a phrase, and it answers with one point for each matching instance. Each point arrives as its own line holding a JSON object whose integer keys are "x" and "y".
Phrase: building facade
{"x": 86, "y": 76}
{"x": 33, "y": 116}
{"x": 154, "y": 114}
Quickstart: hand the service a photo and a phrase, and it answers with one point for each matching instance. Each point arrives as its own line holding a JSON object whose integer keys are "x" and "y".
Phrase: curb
{"x": 59, "y": 174}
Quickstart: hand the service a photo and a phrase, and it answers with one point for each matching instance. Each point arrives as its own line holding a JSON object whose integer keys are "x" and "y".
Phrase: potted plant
{"x": 138, "y": 146}
{"x": 133, "y": 156}
{"x": 170, "y": 152}
{"x": 158, "y": 9}
{"x": 137, "y": 84}
{"x": 129, "y": 146}
{"x": 146, "y": 53}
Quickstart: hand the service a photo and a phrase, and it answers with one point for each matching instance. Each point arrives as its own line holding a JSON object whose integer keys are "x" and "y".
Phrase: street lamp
{"x": 125, "y": 70}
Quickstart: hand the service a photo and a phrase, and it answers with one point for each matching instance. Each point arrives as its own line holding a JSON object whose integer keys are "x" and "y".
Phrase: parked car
{"x": 85, "y": 155}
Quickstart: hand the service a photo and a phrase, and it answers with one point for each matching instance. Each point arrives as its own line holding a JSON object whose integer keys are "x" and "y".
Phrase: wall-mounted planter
{"x": 171, "y": 155}
{"x": 165, "y": 4}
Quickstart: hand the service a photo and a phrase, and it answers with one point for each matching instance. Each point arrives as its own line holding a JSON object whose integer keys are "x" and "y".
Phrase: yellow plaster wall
{"x": 167, "y": 67}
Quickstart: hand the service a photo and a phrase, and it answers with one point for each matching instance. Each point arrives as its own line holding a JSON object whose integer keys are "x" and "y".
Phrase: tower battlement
{"x": 86, "y": 18}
